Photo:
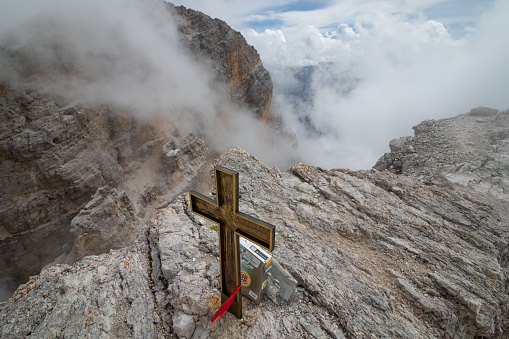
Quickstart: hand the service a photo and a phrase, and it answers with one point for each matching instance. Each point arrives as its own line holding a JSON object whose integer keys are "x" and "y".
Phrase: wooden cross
{"x": 232, "y": 224}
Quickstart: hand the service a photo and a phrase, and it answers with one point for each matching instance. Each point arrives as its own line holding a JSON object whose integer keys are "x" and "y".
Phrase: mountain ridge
{"x": 374, "y": 254}
{"x": 470, "y": 149}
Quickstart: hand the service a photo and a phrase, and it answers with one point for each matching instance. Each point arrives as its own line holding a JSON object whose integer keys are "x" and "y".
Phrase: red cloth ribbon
{"x": 226, "y": 304}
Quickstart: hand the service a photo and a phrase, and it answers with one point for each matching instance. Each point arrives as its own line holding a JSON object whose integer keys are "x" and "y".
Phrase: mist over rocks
{"x": 371, "y": 71}
{"x": 235, "y": 62}
{"x": 103, "y": 107}
{"x": 55, "y": 156}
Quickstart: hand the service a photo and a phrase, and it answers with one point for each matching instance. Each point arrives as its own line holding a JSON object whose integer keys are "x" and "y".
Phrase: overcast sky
{"x": 401, "y": 61}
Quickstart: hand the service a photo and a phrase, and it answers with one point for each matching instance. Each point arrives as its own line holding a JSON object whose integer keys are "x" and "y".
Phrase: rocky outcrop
{"x": 375, "y": 254}
{"x": 108, "y": 221}
{"x": 235, "y": 62}
{"x": 48, "y": 174}
{"x": 55, "y": 155}
{"x": 184, "y": 155}
{"x": 57, "y": 151}
{"x": 101, "y": 297}
{"x": 471, "y": 149}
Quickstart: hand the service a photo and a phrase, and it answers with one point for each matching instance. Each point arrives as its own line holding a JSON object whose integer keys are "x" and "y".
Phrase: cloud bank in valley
{"x": 380, "y": 73}
{"x": 381, "y": 66}
{"x": 124, "y": 53}
{"x": 376, "y": 68}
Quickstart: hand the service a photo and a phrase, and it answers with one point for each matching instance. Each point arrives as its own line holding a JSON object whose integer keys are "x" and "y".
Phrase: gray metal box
{"x": 254, "y": 263}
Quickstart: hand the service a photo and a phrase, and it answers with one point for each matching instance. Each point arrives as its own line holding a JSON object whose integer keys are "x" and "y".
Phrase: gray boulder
{"x": 108, "y": 221}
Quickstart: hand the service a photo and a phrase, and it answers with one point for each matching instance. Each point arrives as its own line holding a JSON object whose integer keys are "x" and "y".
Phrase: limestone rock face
{"x": 184, "y": 154}
{"x": 55, "y": 153}
{"x": 106, "y": 296}
{"x": 235, "y": 62}
{"x": 471, "y": 149}
{"x": 47, "y": 176}
{"x": 375, "y": 255}
{"x": 108, "y": 221}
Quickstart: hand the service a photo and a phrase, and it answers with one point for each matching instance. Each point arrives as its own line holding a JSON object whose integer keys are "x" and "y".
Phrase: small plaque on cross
{"x": 224, "y": 210}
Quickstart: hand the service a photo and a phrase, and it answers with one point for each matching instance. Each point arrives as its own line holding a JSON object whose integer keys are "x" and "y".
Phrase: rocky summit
{"x": 471, "y": 149}
{"x": 97, "y": 239}
{"x": 374, "y": 254}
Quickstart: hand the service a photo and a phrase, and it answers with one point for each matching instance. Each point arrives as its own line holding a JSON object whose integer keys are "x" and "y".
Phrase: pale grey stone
{"x": 459, "y": 148}
{"x": 288, "y": 323}
{"x": 483, "y": 111}
{"x": 183, "y": 325}
{"x": 282, "y": 285}
{"x": 101, "y": 296}
{"x": 201, "y": 333}
{"x": 108, "y": 221}
{"x": 398, "y": 145}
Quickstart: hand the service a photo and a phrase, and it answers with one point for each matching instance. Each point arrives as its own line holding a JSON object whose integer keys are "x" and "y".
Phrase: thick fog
{"x": 383, "y": 72}
{"x": 374, "y": 69}
{"x": 380, "y": 67}
{"x": 125, "y": 53}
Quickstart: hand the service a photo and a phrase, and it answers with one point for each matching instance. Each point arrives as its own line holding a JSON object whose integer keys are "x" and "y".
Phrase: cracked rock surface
{"x": 101, "y": 296}
{"x": 56, "y": 151}
{"x": 470, "y": 149}
{"x": 375, "y": 255}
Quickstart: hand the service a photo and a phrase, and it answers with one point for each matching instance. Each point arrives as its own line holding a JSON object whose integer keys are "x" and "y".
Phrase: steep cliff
{"x": 55, "y": 155}
{"x": 235, "y": 62}
{"x": 58, "y": 148}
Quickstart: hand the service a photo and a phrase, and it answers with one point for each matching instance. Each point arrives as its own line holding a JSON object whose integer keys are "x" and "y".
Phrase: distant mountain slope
{"x": 471, "y": 149}
{"x": 235, "y": 62}
{"x": 57, "y": 149}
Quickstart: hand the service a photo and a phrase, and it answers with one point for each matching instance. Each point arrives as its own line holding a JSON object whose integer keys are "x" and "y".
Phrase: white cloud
{"x": 127, "y": 53}
{"x": 234, "y": 12}
{"x": 344, "y": 33}
{"x": 388, "y": 66}
{"x": 403, "y": 69}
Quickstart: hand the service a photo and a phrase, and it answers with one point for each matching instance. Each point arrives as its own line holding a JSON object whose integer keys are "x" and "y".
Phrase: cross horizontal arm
{"x": 204, "y": 206}
{"x": 256, "y": 230}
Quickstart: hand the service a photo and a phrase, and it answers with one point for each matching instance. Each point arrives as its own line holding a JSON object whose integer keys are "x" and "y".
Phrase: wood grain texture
{"x": 232, "y": 224}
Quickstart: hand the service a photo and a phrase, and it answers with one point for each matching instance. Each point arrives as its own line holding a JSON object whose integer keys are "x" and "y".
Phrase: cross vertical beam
{"x": 232, "y": 224}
